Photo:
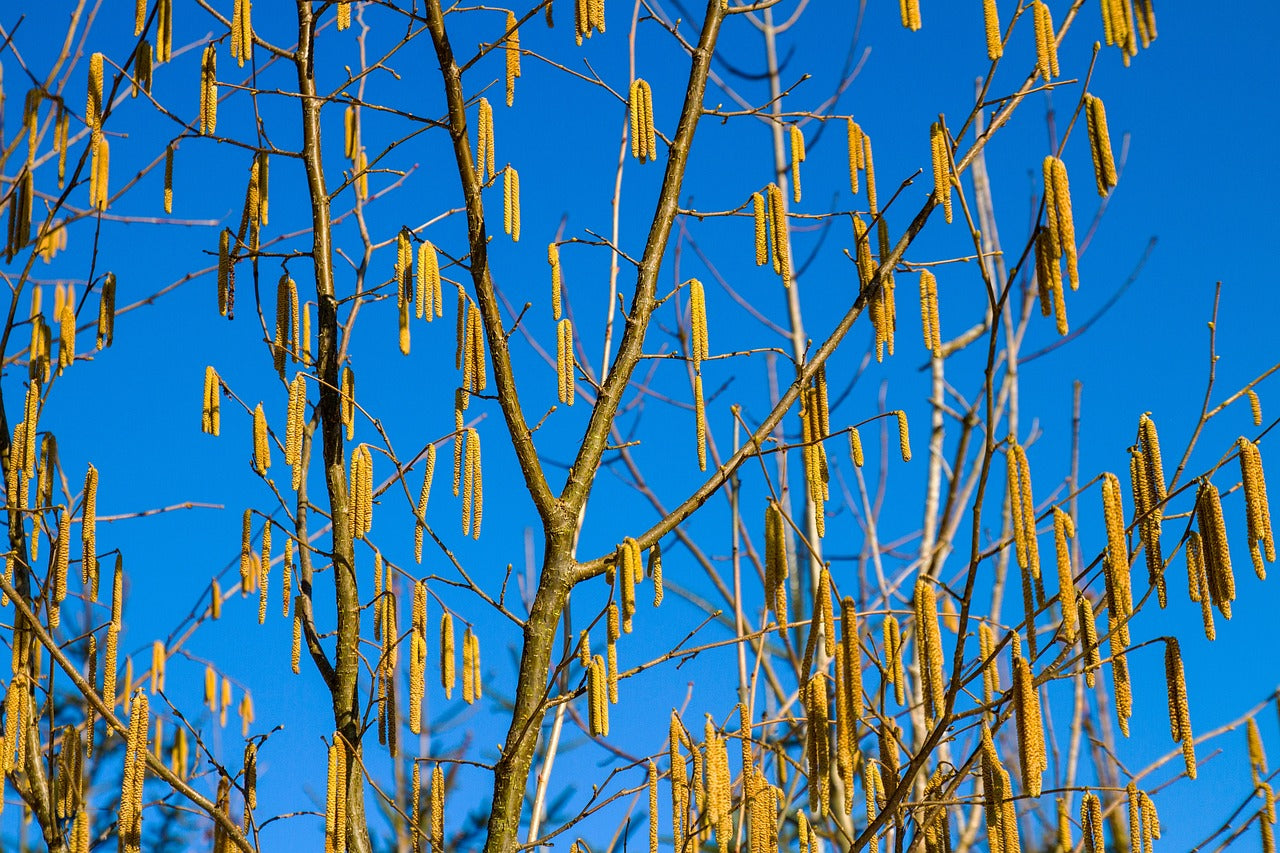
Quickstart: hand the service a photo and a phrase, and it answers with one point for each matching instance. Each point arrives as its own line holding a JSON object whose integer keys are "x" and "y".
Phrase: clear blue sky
{"x": 1199, "y": 170}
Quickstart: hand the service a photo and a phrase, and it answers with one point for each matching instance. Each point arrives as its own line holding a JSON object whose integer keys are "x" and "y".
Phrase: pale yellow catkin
{"x": 423, "y": 497}
{"x": 894, "y": 672}
{"x": 473, "y": 489}
{"x": 855, "y": 447}
{"x": 1063, "y": 529}
{"x": 295, "y": 427}
{"x": 344, "y": 15}
{"x": 429, "y": 300}
{"x": 1031, "y": 743}
{"x": 1257, "y": 509}
{"x": 929, "y": 313}
{"x": 781, "y": 240}
{"x": 929, "y": 648}
{"x": 758, "y": 217}
{"x": 1046, "y": 41}
{"x": 597, "y": 699}
{"x": 511, "y": 203}
{"x": 99, "y": 171}
{"x": 1104, "y": 164}
{"x": 904, "y": 439}
{"x": 485, "y": 166}
{"x": 1179, "y": 715}
{"x": 700, "y": 421}
{"x": 135, "y": 768}
{"x": 1215, "y": 550}
{"x": 242, "y": 31}
{"x": 1257, "y": 757}
{"x": 613, "y": 633}
{"x": 347, "y": 404}
{"x": 447, "y": 661}
{"x": 209, "y": 90}
{"x": 512, "y": 49}
{"x": 1058, "y": 213}
{"x": 910, "y": 14}
{"x": 1089, "y": 639}
{"x": 553, "y": 258}
{"x": 941, "y": 155}
{"x": 261, "y": 441}
{"x": 991, "y": 22}
{"x": 107, "y": 312}
{"x": 640, "y": 115}
{"x": 468, "y": 668}
{"x": 564, "y": 361}
{"x": 1091, "y": 820}
{"x": 360, "y": 175}
{"x": 776, "y": 568}
{"x": 264, "y": 573}
{"x": 698, "y": 322}
{"x": 797, "y": 157}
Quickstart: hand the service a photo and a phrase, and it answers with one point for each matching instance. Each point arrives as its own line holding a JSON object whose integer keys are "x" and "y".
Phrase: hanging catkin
{"x": 564, "y": 361}
{"x": 1063, "y": 529}
{"x": 1059, "y": 220}
{"x": 776, "y": 568}
{"x": 797, "y": 157}
{"x": 910, "y": 14}
{"x": 640, "y": 115}
{"x": 511, "y": 44}
{"x": 242, "y": 32}
{"x": 209, "y": 90}
{"x": 99, "y": 171}
{"x": 511, "y": 203}
{"x": 1257, "y": 510}
{"x": 1217, "y": 556}
{"x": 893, "y": 668}
{"x": 1046, "y": 41}
{"x": 1179, "y": 717}
{"x": 1032, "y": 757}
{"x": 929, "y": 648}
{"x": 420, "y": 522}
{"x": 135, "y": 768}
{"x": 991, "y": 22}
{"x": 941, "y": 155}
{"x": 447, "y": 661}
{"x": 1104, "y": 165}
{"x": 429, "y": 300}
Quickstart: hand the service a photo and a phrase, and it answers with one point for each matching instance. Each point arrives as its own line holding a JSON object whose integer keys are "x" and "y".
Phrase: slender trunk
{"x": 345, "y": 686}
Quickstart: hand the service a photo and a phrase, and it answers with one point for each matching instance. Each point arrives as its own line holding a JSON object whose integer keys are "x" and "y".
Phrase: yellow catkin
{"x": 991, "y": 21}
{"x": 429, "y": 300}
{"x": 1089, "y": 640}
{"x": 1217, "y": 555}
{"x": 1116, "y": 559}
{"x": 1179, "y": 716}
{"x": 295, "y": 426}
{"x": 893, "y": 667}
{"x": 818, "y": 743}
{"x": 757, "y": 214}
{"x": 344, "y": 15}
{"x": 929, "y": 648}
{"x": 564, "y": 361}
{"x": 468, "y": 668}
{"x": 1046, "y": 41}
{"x": 1031, "y": 746}
{"x": 1091, "y": 820}
{"x": 295, "y": 657}
{"x": 1058, "y": 212}
{"x": 135, "y": 768}
{"x": 1121, "y": 684}
{"x": 99, "y": 171}
{"x": 264, "y": 573}
{"x": 1064, "y": 528}
{"x": 640, "y": 113}
{"x": 485, "y": 166}
{"x": 990, "y": 671}
{"x": 929, "y": 313}
{"x": 261, "y": 441}
{"x": 598, "y": 699}
{"x": 512, "y": 49}
{"x": 904, "y": 439}
{"x": 1257, "y": 509}
{"x": 613, "y": 633}
{"x": 855, "y": 447}
{"x": 423, "y": 497}
{"x": 869, "y": 166}
{"x": 824, "y": 611}
{"x": 1255, "y": 406}
{"x": 242, "y": 31}
{"x": 698, "y": 322}
{"x": 652, "y": 781}
{"x": 700, "y": 421}
{"x": 797, "y": 157}
{"x": 437, "y": 810}
{"x": 88, "y": 533}
{"x": 1104, "y": 164}
{"x": 347, "y": 404}
{"x": 141, "y": 69}
{"x": 447, "y": 662}
{"x": 209, "y": 90}
{"x": 910, "y": 14}
{"x": 1257, "y": 757}
{"x": 511, "y": 203}
{"x": 107, "y": 312}
{"x": 473, "y": 490}
{"x": 941, "y": 155}
{"x": 853, "y": 135}
{"x": 781, "y": 240}
{"x": 93, "y": 107}
{"x": 776, "y": 567}
{"x": 557, "y": 282}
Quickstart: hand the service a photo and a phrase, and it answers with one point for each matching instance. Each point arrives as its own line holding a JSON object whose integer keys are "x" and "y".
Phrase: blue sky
{"x": 1197, "y": 177}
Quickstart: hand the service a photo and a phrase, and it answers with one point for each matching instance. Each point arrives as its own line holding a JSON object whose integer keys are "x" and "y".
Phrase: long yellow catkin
{"x": 597, "y": 699}
{"x": 347, "y": 404}
{"x": 640, "y": 114}
{"x": 1104, "y": 164}
{"x": 991, "y": 22}
{"x": 107, "y": 312}
{"x": 295, "y": 427}
{"x": 423, "y": 496}
{"x": 1179, "y": 716}
{"x": 468, "y": 668}
{"x": 698, "y": 322}
{"x": 1046, "y": 41}
{"x": 1031, "y": 746}
{"x": 264, "y": 573}
{"x": 1217, "y": 555}
{"x": 135, "y": 768}
{"x": 99, "y": 171}
{"x": 910, "y": 14}
{"x": 613, "y": 632}
{"x": 990, "y": 670}
{"x": 447, "y": 661}
{"x": 429, "y": 300}
{"x": 211, "y": 415}
{"x": 1091, "y": 820}
{"x": 776, "y": 568}
{"x": 1058, "y": 212}
{"x": 472, "y": 490}
{"x": 93, "y": 107}
{"x": 904, "y": 438}
{"x": 1257, "y": 509}
{"x": 700, "y": 421}
{"x": 1116, "y": 559}
{"x": 511, "y": 203}
{"x": 209, "y": 90}
{"x": 564, "y": 361}
{"x": 89, "y": 534}
{"x": 781, "y": 240}
{"x": 941, "y": 167}
{"x": 485, "y": 165}
{"x": 929, "y": 313}
{"x": 242, "y": 31}
{"x": 1064, "y": 528}
{"x": 797, "y": 157}
{"x": 1089, "y": 639}
{"x": 512, "y": 48}
{"x": 1255, "y": 406}
{"x": 929, "y": 648}
{"x": 261, "y": 441}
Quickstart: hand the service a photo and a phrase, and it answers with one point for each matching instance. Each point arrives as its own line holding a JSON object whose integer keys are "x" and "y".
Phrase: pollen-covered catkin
{"x": 1104, "y": 164}
{"x": 797, "y": 157}
{"x": 485, "y": 166}
{"x": 1046, "y": 41}
{"x": 226, "y": 275}
{"x": 511, "y": 203}
{"x": 1089, "y": 639}
{"x": 910, "y": 14}
{"x": 423, "y": 496}
{"x": 904, "y": 440}
{"x": 261, "y": 441}
{"x": 107, "y": 311}
{"x": 853, "y": 134}
{"x": 1032, "y": 757}
{"x": 512, "y": 48}
{"x": 929, "y": 648}
{"x": 242, "y": 31}
{"x": 264, "y": 573}
{"x": 597, "y": 698}
{"x": 762, "y": 245}
{"x": 347, "y": 404}
{"x": 1255, "y": 407}
{"x": 941, "y": 155}
{"x": 468, "y": 668}
{"x": 429, "y": 299}
{"x": 776, "y": 568}
{"x": 295, "y": 426}
{"x": 1258, "y": 511}
{"x": 209, "y": 90}
{"x": 1059, "y": 217}
{"x": 781, "y": 240}
{"x": 447, "y": 661}
{"x": 1217, "y": 555}
{"x": 564, "y": 361}
{"x": 893, "y": 668}
{"x": 640, "y": 111}
{"x": 1091, "y": 820}
{"x": 93, "y": 107}
{"x": 700, "y": 421}
{"x": 472, "y": 489}
{"x": 991, "y": 21}
{"x": 1179, "y": 716}
{"x": 698, "y": 321}
{"x": 929, "y": 313}
{"x": 135, "y": 768}
{"x": 1063, "y": 529}
{"x": 99, "y": 171}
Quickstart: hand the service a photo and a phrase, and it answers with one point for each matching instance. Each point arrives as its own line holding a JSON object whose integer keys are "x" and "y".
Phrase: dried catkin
{"x": 1257, "y": 510}
{"x": 1179, "y": 716}
{"x": 447, "y": 662}
{"x": 941, "y": 155}
{"x": 512, "y": 49}
{"x": 797, "y": 157}
{"x": 423, "y": 496}
{"x": 242, "y": 32}
{"x": 640, "y": 112}
{"x": 511, "y": 203}
{"x": 1217, "y": 556}
{"x": 929, "y": 648}
{"x": 209, "y": 90}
